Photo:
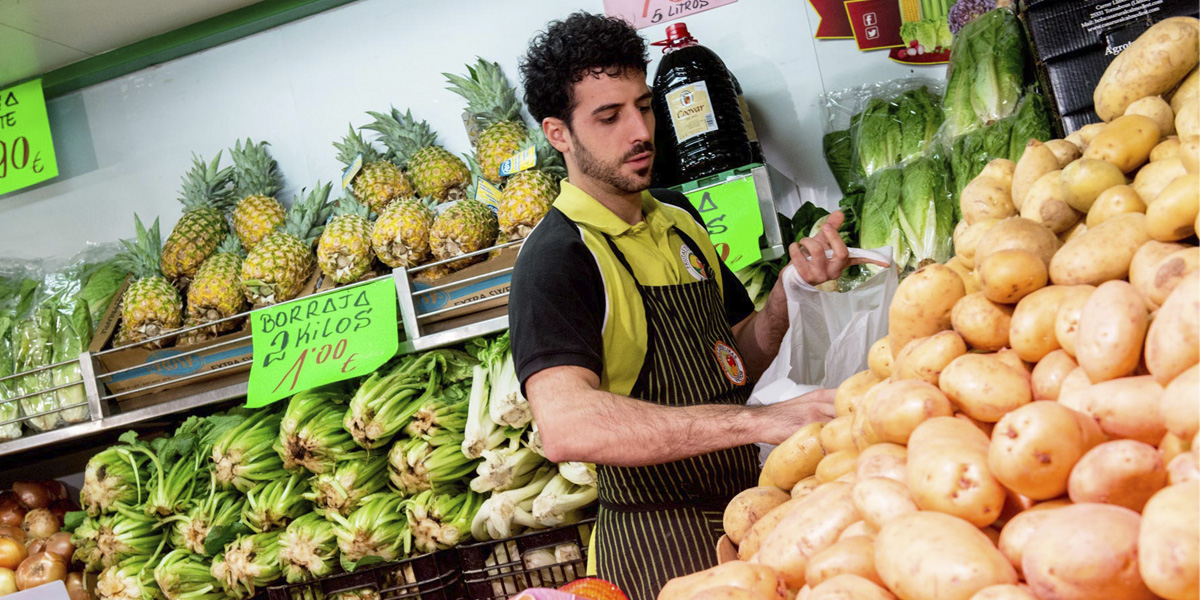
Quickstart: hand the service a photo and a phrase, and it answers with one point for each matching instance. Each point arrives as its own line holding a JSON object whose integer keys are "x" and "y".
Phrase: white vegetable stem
{"x": 559, "y": 498}
{"x": 506, "y": 405}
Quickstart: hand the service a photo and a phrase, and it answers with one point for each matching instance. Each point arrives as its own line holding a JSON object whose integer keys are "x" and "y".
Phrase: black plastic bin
{"x": 436, "y": 576}
{"x": 503, "y": 568}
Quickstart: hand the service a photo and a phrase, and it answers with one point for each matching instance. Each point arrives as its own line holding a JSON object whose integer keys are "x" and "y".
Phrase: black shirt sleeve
{"x": 738, "y": 304}
{"x": 556, "y": 303}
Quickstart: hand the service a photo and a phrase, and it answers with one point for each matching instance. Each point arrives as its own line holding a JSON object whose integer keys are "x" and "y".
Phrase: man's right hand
{"x": 780, "y": 421}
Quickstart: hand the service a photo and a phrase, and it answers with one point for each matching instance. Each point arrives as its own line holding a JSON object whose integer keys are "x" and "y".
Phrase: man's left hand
{"x": 824, "y": 256}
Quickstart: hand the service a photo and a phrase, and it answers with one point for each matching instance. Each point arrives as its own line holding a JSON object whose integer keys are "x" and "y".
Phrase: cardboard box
{"x": 480, "y": 286}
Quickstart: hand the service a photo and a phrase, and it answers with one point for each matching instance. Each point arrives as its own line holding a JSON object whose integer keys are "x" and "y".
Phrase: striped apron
{"x": 664, "y": 521}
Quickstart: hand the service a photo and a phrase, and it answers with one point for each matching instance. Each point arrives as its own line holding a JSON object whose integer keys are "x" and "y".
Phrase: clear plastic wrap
{"x": 987, "y": 72}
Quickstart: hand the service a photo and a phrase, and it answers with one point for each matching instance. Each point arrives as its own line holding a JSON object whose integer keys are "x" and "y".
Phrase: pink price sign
{"x": 644, "y": 13}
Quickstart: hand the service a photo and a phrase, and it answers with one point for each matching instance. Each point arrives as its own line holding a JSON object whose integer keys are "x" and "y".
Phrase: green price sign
{"x": 332, "y": 336}
{"x": 733, "y": 219}
{"x": 26, "y": 147}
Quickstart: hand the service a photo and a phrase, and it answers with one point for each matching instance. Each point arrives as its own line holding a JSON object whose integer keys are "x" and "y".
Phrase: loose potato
{"x": 757, "y": 579}
{"x": 1009, "y": 275}
{"x": 900, "y": 406}
{"x": 967, "y": 237}
{"x": 924, "y": 358}
{"x": 1128, "y": 408}
{"x": 752, "y": 541}
{"x": 1036, "y": 161}
{"x": 835, "y": 435}
{"x": 1112, "y": 327}
{"x": 1017, "y": 233}
{"x": 1019, "y": 531}
{"x": 1069, "y": 393}
{"x": 1121, "y": 472}
{"x": 849, "y": 587}
{"x": 879, "y": 464}
{"x": 1032, "y": 330}
{"x": 1126, "y": 142}
{"x": 1172, "y": 215}
{"x": 984, "y": 387}
{"x": 1154, "y": 177}
{"x": 1066, "y": 152}
{"x": 1189, "y": 153}
{"x": 796, "y": 458}
{"x": 1084, "y": 552}
{"x": 1102, "y": 253}
{"x": 1183, "y": 468}
{"x": 1049, "y": 374}
{"x": 879, "y": 358}
{"x": 1084, "y": 180}
{"x": 1157, "y": 109}
{"x": 1116, "y": 200}
{"x": 1073, "y": 232}
{"x": 1188, "y": 90}
{"x": 983, "y": 324}
{"x": 724, "y": 593}
{"x": 1084, "y": 135}
{"x": 853, "y": 555}
{"x": 1173, "y": 341}
{"x": 1046, "y": 204}
{"x": 814, "y": 526}
{"x": 922, "y": 303}
{"x": 948, "y": 471}
{"x": 885, "y": 449}
{"x": 1001, "y": 169}
{"x": 851, "y": 391}
{"x": 1170, "y": 447}
{"x": 748, "y": 507}
{"x": 970, "y": 282}
{"x": 1180, "y": 408}
{"x": 1169, "y": 542}
{"x": 1167, "y": 273}
{"x": 1166, "y": 149}
{"x": 805, "y": 487}
{"x": 1144, "y": 270}
{"x": 879, "y": 500}
{"x": 1152, "y": 65}
{"x": 861, "y": 431}
{"x": 932, "y": 556}
{"x": 1187, "y": 120}
{"x": 836, "y": 465}
{"x": 858, "y": 528}
{"x": 1034, "y": 448}
{"x": 1066, "y": 321}
{"x": 986, "y": 198}
{"x": 1004, "y": 592}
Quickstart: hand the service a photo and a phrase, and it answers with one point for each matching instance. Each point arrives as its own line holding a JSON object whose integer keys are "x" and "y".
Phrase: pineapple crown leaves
{"x": 490, "y": 99}
{"x": 352, "y": 145}
{"x": 255, "y": 173}
{"x": 403, "y": 135}
{"x": 549, "y": 159}
{"x": 476, "y": 174}
{"x": 231, "y": 245}
{"x": 143, "y": 254}
{"x": 207, "y": 185}
{"x": 347, "y": 205}
{"x": 308, "y": 214}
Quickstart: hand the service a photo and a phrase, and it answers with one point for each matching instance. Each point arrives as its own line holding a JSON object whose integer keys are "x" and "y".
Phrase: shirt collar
{"x": 583, "y": 209}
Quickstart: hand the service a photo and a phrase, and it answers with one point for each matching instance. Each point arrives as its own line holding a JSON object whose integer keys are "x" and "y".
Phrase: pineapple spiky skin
{"x": 206, "y": 196}
{"x": 151, "y": 305}
{"x": 401, "y": 234}
{"x": 525, "y": 200}
{"x": 379, "y": 184}
{"x": 256, "y": 181}
{"x": 437, "y": 173}
{"x": 255, "y": 218}
{"x": 493, "y": 105}
{"x": 276, "y": 269}
{"x": 497, "y": 144}
{"x": 195, "y": 336}
{"x": 466, "y": 226}
{"x": 344, "y": 252}
{"x": 216, "y": 292}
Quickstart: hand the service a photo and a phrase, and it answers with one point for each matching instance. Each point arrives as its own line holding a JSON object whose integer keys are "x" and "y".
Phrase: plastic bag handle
{"x": 792, "y": 277}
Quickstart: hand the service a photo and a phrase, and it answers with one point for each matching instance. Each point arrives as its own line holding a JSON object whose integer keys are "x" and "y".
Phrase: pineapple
{"x": 435, "y": 172}
{"x": 344, "y": 251}
{"x": 151, "y": 306}
{"x": 255, "y": 181}
{"x": 401, "y": 235}
{"x": 493, "y": 105}
{"x": 206, "y": 197}
{"x": 528, "y": 195}
{"x": 464, "y": 227}
{"x": 275, "y": 271}
{"x": 195, "y": 336}
{"x": 216, "y": 292}
{"x": 380, "y": 181}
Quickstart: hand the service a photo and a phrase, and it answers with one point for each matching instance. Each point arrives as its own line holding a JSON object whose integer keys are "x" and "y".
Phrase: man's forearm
{"x": 759, "y": 336}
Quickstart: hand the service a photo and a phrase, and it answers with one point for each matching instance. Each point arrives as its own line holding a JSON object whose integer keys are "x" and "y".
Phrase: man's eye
{"x": 644, "y": 109}
{"x": 609, "y": 120}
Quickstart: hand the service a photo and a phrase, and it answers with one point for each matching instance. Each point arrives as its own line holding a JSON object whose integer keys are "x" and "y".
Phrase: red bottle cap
{"x": 677, "y": 37}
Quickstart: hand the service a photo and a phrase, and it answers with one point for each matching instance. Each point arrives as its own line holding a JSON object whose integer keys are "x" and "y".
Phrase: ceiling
{"x": 37, "y": 36}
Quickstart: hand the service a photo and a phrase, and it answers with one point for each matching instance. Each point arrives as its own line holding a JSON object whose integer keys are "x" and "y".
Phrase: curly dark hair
{"x": 567, "y": 51}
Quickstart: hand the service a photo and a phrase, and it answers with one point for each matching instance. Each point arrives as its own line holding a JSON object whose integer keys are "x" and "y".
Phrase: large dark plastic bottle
{"x": 699, "y": 129}
{"x": 751, "y": 133}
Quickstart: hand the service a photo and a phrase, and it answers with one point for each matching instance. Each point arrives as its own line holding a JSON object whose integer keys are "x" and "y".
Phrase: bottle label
{"x": 750, "y": 132}
{"x": 691, "y": 111}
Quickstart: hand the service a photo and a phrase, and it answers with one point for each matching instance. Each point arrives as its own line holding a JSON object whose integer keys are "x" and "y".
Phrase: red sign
{"x": 876, "y": 23}
{"x": 835, "y": 24}
{"x": 644, "y": 13}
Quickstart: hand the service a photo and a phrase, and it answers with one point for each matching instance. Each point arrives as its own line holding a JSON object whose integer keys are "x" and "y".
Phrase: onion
{"x": 12, "y": 514}
{"x": 31, "y": 494}
{"x": 13, "y": 531}
{"x": 35, "y": 546}
{"x": 55, "y": 490}
{"x": 40, "y": 569}
{"x": 75, "y": 587}
{"x": 8, "y": 582}
{"x": 60, "y": 508}
{"x": 60, "y": 544}
{"x": 40, "y": 524}
{"x": 11, "y": 553}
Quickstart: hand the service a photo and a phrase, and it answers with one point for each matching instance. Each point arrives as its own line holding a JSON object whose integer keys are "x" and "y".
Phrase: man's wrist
{"x": 748, "y": 424}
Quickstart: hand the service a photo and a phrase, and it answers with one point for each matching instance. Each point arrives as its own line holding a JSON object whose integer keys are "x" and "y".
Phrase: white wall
{"x": 124, "y": 144}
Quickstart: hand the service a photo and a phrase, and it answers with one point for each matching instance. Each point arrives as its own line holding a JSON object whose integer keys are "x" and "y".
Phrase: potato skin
{"x": 1121, "y": 472}
{"x": 750, "y": 506}
{"x": 1004, "y": 592}
{"x": 1168, "y": 148}
{"x": 1017, "y": 233}
{"x": 1127, "y": 408}
{"x": 848, "y": 586}
{"x": 805, "y": 487}
{"x": 1169, "y": 542}
{"x": 1036, "y": 161}
{"x": 1183, "y": 468}
{"x": 748, "y": 577}
{"x": 986, "y": 198}
{"x": 1172, "y": 214}
{"x": 970, "y": 282}
{"x": 981, "y": 323}
{"x": 1100, "y": 254}
{"x": 1084, "y": 180}
{"x": 879, "y": 500}
{"x": 849, "y": 394}
{"x": 1035, "y": 447}
{"x": 854, "y": 555}
{"x": 1168, "y": 272}
{"x": 1031, "y": 332}
{"x": 933, "y": 556}
{"x": 922, "y": 304}
{"x": 752, "y": 541}
{"x": 1066, "y": 321}
{"x": 836, "y": 465}
{"x": 1009, "y": 275}
{"x": 1154, "y": 177}
{"x": 1188, "y": 91}
{"x": 1072, "y": 393}
{"x": 1152, "y": 65}
{"x": 1144, "y": 271}
{"x": 879, "y": 358}
{"x": 1116, "y": 200}
{"x": 812, "y": 527}
{"x": 1112, "y": 327}
{"x": 985, "y": 387}
{"x": 967, "y": 237}
{"x": 1180, "y": 410}
{"x": 1086, "y": 551}
{"x": 1173, "y": 340}
{"x": 948, "y": 471}
{"x": 1019, "y": 531}
{"x": 796, "y": 458}
{"x": 1049, "y": 373}
{"x": 1046, "y": 204}
{"x": 835, "y": 435}
{"x": 900, "y": 406}
{"x": 1126, "y": 142}
{"x": 1157, "y": 109}
{"x": 887, "y": 466}
{"x": 924, "y": 359}
{"x": 1189, "y": 153}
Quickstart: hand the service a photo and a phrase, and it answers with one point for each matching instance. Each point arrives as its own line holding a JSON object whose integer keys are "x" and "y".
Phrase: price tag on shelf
{"x": 521, "y": 161}
{"x": 734, "y": 222}
{"x": 488, "y": 194}
{"x": 26, "y": 146}
{"x": 309, "y": 342}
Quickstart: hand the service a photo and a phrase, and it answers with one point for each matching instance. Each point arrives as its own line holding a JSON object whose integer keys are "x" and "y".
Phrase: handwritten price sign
{"x": 321, "y": 339}
{"x": 644, "y": 13}
{"x": 733, "y": 219}
{"x": 26, "y": 147}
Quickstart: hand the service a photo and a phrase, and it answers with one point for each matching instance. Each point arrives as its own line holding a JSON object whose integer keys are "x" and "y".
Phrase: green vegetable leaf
{"x": 1032, "y": 122}
{"x": 221, "y": 535}
{"x": 73, "y": 519}
{"x": 880, "y": 226}
{"x": 839, "y": 155}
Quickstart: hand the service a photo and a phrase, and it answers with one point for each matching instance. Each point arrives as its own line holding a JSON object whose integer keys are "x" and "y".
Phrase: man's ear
{"x": 556, "y": 131}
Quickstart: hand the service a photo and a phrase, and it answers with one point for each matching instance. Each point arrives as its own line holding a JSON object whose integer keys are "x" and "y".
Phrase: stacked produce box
{"x": 1029, "y": 428}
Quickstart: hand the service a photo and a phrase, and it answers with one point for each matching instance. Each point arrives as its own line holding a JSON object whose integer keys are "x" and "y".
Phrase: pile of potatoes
{"x": 1028, "y": 429}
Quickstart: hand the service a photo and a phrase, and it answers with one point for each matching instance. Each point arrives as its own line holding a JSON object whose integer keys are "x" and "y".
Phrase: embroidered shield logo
{"x": 692, "y": 263}
{"x": 731, "y": 363}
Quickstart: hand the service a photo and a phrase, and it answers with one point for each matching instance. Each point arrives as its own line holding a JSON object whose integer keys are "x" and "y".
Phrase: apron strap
{"x": 687, "y": 240}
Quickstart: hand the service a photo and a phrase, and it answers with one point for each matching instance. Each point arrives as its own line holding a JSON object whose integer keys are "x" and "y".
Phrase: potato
{"x": 752, "y": 541}
{"x": 1112, "y": 327}
{"x": 1157, "y": 109}
{"x": 1065, "y": 152}
{"x": 932, "y": 556}
{"x": 948, "y": 472}
{"x": 1102, "y": 253}
{"x": 1152, "y": 65}
{"x": 900, "y": 406}
{"x": 805, "y": 486}
{"x": 1000, "y": 168}
{"x": 849, "y": 587}
{"x": 756, "y": 579}
{"x": 924, "y": 359}
{"x": 884, "y": 449}
{"x": 836, "y": 465}
{"x": 725, "y": 593}
{"x": 970, "y": 282}
{"x": 1166, "y": 149}
{"x": 1183, "y": 468}
{"x": 748, "y": 507}
{"x": 984, "y": 387}
{"x": 1036, "y": 161}
{"x": 1032, "y": 330}
{"x": 1126, "y": 142}
{"x": 1180, "y": 409}
{"x": 922, "y": 303}
{"x": 879, "y": 500}
{"x": 890, "y": 466}
{"x": 1073, "y": 232}
{"x": 1121, "y": 472}
{"x": 1049, "y": 374}
{"x": 967, "y": 237}
{"x": 851, "y": 391}
{"x": 1066, "y": 321}
{"x": 1188, "y": 90}
{"x": 858, "y": 528}
{"x": 1045, "y": 204}
{"x": 796, "y": 458}
{"x": 1116, "y": 200}
{"x": 1170, "y": 447}
{"x": 986, "y": 198}
{"x": 1009, "y": 275}
{"x": 811, "y": 528}
{"x": 1172, "y": 215}
{"x": 860, "y": 429}
{"x": 1154, "y": 177}
{"x": 981, "y": 323}
{"x": 1084, "y": 180}
{"x": 835, "y": 435}
{"x": 1144, "y": 270}
{"x": 1169, "y": 542}
{"x": 1189, "y": 153}
{"x": 1173, "y": 341}
{"x": 1084, "y": 552}
{"x": 854, "y": 555}
{"x": 1034, "y": 448}
{"x": 1017, "y": 233}
{"x": 1069, "y": 392}
{"x": 879, "y": 358}
{"x": 1004, "y": 592}
{"x": 1019, "y": 531}
{"x": 1128, "y": 408}
{"x": 1187, "y": 120}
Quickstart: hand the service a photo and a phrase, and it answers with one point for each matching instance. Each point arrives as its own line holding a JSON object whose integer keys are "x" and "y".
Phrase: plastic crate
{"x": 434, "y": 576}
{"x": 501, "y": 569}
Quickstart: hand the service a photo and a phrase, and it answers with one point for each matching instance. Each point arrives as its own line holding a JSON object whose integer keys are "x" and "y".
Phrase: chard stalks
{"x": 383, "y": 404}
{"x": 214, "y": 509}
{"x": 243, "y": 455}
{"x": 534, "y": 441}
{"x": 132, "y": 578}
{"x": 185, "y": 576}
{"x": 506, "y": 405}
{"x": 378, "y": 528}
{"x": 441, "y": 521}
{"x": 249, "y": 563}
{"x": 342, "y": 489}
{"x": 86, "y": 539}
{"x": 128, "y": 532}
{"x": 113, "y": 475}
{"x": 506, "y": 468}
{"x": 504, "y": 513}
{"x": 442, "y": 413}
{"x": 273, "y": 505}
{"x": 481, "y": 432}
{"x": 559, "y": 498}
{"x": 419, "y": 465}
{"x": 311, "y": 435}
{"x": 578, "y": 473}
{"x": 171, "y": 486}
{"x": 308, "y": 549}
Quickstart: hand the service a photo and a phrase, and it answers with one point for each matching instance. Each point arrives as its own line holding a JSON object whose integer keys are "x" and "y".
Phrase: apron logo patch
{"x": 731, "y": 363}
{"x": 692, "y": 263}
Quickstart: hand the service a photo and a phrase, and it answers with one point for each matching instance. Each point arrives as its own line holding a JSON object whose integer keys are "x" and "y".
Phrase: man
{"x": 636, "y": 346}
